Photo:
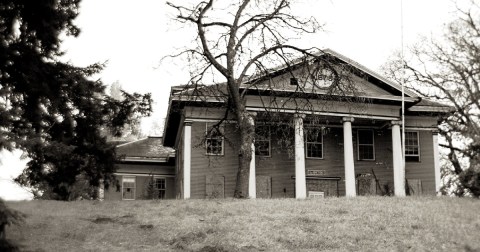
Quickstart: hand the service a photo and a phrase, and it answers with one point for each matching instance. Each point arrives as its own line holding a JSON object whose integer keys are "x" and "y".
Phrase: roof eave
{"x": 437, "y": 109}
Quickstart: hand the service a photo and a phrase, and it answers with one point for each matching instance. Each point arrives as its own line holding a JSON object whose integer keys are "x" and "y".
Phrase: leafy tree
{"x": 132, "y": 129}
{"x": 448, "y": 70}
{"x": 8, "y": 217}
{"x": 52, "y": 110}
{"x": 240, "y": 39}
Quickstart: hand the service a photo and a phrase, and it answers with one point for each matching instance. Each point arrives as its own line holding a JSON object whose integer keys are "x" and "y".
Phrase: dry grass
{"x": 340, "y": 224}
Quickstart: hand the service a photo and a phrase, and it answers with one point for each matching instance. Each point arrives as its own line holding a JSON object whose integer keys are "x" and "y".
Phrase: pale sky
{"x": 132, "y": 36}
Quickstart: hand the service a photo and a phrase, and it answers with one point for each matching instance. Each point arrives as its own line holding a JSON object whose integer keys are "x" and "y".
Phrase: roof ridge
{"x": 138, "y": 140}
{"x": 370, "y": 71}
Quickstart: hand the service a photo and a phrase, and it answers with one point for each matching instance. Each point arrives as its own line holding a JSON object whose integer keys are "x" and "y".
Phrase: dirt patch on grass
{"x": 103, "y": 220}
{"x": 213, "y": 249}
{"x": 123, "y": 220}
{"x": 146, "y": 226}
{"x": 183, "y": 241}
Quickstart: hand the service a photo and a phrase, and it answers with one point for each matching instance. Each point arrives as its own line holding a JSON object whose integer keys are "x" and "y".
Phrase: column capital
{"x": 399, "y": 123}
{"x": 252, "y": 114}
{"x": 435, "y": 132}
{"x": 347, "y": 119}
{"x": 187, "y": 123}
{"x": 299, "y": 115}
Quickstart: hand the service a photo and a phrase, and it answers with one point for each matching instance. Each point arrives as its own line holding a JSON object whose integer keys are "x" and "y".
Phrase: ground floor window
{"x": 365, "y": 145}
{"x": 161, "y": 187}
{"x": 214, "y": 140}
{"x": 314, "y": 142}
{"x": 128, "y": 188}
{"x": 412, "y": 146}
{"x": 262, "y": 141}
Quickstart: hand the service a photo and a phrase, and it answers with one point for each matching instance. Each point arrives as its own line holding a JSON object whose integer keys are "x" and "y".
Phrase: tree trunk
{"x": 247, "y": 132}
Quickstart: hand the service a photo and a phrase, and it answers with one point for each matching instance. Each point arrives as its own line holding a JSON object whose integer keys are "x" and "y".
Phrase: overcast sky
{"x": 132, "y": 37}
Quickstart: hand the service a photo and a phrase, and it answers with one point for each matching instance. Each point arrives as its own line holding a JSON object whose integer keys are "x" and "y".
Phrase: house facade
{"x": 321, "y": 143}
{"x": 145, "y": 171}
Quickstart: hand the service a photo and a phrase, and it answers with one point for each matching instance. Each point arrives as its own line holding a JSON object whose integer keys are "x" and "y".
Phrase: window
{"x": 160, "y": 186}
{"x": 314, "y": 142}
{"x": 365, "y": 145}
{"x": 128, "y": 188}
{"x": 262, "y": 141}
{"x": 412, "y": 147}
{"x": 214, "y": 140}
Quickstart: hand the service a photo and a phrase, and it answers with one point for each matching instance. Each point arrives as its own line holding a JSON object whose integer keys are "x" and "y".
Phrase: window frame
{"x": 418, "y": 146}
{"x": 315, "y": 142}
{"x": 221, "y": 137}
{"x": 268, "y": 139}
{"x": 361, "y": 144}
{"x": 164, "y": 190}
{"x": 134, "y": 186}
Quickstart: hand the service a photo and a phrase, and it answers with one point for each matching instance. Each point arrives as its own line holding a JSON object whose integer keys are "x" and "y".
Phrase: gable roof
{"x": 372, "y": 73}
{"x": 431, "y": 106}
{"x": 215, "y": 94}
{"x": 372, "y": 76}
{"x": 149, "y": 149}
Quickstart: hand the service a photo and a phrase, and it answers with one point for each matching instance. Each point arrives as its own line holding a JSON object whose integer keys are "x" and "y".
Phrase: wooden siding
{"x": 205, "y": 113}
{"x": 179, "y": 169}
{"x": 280, "y": 166}
{"x": 224, "y": 165}
{"x": 421, "y": 121}
{"x": 145, "y": 169}
{"x": 141, "y": 182}
{"x": 113, "y": 192}
{"x": 282, "y": 82}
{"x": 423, "y": 170}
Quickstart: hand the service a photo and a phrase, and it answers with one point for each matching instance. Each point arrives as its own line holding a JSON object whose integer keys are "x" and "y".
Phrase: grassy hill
{"x": 345, "y": 224}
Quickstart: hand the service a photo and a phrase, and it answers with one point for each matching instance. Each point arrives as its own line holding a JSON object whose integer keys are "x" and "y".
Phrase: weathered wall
{"x": 225, "y": 165}
{"x": 141, "y": 182}
{"x": 281, "y": 166}
{"x": 145, "y": 168}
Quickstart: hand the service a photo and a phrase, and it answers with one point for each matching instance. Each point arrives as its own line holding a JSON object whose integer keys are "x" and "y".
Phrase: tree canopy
{"x": 52, "y": 110}
{"x": 235, "y": 40}
{"x": 447, "y": 69}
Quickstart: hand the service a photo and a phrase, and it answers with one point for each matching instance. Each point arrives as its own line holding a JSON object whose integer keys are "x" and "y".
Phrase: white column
{"x": 436, "y": 162}
{"x": 350, "y": 190}
{"x": 187, "y": 156}
{"x": 398, "y": 165}
{"x": 300, "y": 180}
{"x": 252, "y": 186}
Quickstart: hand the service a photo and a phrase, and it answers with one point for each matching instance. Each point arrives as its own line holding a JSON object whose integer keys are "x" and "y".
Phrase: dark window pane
{"x": 365, "y": 137}
{"x": 365, "y": 152}
{"x": 314, "y": 150}
{"x": 262, "y": 147}
{"x": 262, "y": 140}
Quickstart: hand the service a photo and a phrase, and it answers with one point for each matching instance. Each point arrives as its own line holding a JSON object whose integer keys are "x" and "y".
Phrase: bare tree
{"x": 448, "y": 70}
{"x": 241, "y": 42}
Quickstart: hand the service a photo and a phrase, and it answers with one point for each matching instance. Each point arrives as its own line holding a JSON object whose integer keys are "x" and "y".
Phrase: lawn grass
{"x": 340, "y": 224}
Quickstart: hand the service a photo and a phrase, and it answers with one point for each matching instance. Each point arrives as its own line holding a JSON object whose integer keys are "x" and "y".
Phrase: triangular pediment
{"x": 351, "y": 78}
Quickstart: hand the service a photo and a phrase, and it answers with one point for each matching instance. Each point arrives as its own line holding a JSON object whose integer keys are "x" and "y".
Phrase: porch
{"x": 330, "y": 161}
{"x": 324, "y": 153}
